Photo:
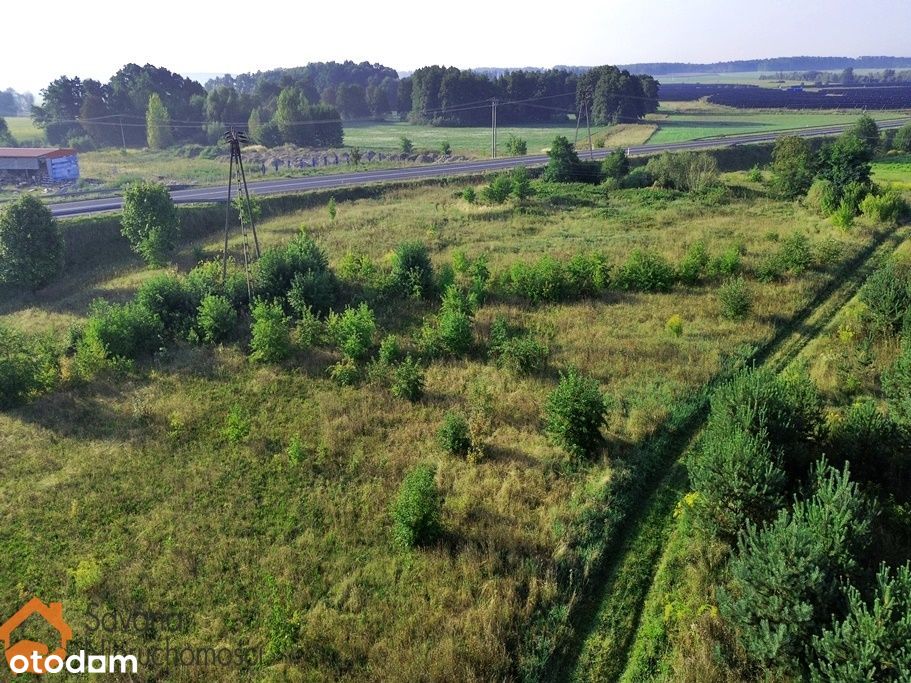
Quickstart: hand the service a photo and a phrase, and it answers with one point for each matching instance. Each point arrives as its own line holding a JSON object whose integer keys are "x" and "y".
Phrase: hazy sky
{"x": 93, "y": 38}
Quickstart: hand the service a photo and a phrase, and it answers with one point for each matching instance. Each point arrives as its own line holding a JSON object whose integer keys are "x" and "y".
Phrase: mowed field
{"x": 24, "y": 130}
{"x": 675, "y": 125}
{"x": 476, "y": 141}
{"x": 134, "y": 491}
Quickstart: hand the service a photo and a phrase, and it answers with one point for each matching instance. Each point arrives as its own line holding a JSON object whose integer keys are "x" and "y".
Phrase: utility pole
{"x": 591, "y": 150}
{"x": 123, "y": 137}
{"x": 578, "y": 119}
{"x": 234, "y": 139}
{"x": 493, "y": 128}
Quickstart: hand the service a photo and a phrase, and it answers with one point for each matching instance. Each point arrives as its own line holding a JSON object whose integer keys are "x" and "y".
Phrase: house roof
{"x": 35, "y": 152}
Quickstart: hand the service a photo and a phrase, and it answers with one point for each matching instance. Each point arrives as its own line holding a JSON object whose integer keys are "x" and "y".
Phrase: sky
{"x": 95, "y": 37}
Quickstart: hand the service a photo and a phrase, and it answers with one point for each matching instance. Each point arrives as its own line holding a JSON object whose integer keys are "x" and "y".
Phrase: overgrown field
{"x": 254, "y": 499}
{"x": 854, "y": 368}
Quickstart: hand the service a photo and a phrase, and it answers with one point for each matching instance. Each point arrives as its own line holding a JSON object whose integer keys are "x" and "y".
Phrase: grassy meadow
{"x": 679, "y": 632}
{"x": 24, "y": 131}
{"x": 680, "y": 123}
{"x": 170, "y": 487}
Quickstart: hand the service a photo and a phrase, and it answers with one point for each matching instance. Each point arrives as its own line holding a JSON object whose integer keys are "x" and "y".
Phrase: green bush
{"x": 313, "y": 290}
{"x": 544, "y": 281}
{"x": 615, "y": 165}
{"x": 737, "y": 475}
{"x": 412, "y": 272}
{"x": 389, "y": 349}
{"x": 521, "y": 183}
{"x": 896, "y": 383}
{"x": 271, "y": 333}
{"x": 125, "y": 331}
{"x": 498, "y": 190}
{"x": 301, "y": 261}
{"x": 237, "y": 424}
{"x": 823, "y": 198}
{"x": 149, "y": 221}
{"x": 563, "y": 166}
{"x": 796, "y": 253}
{"x": 575, "y": 413}
{"x": 843, "y": 216}
{"x": 352, "y": 331}
{"x": 887, "y": 294}
{"x": 470, "y": 195}
{"x": 674, "y": 325}
{"x": 417, "y": 512}
{"x": 785, "y": 408}
{"x": 215, "y": 319}
{"x": 871, "y": 642}
{"x": 734, "y": 298}
{"x": 27, "y": 367}
{"x": 888, "y": 208}
{"x": 453, "y": 435}
{"x": 646, "y": 271}
{"x": 516, "y": 146}
{"x": 206, "y": 278}
{"x": 683, "y": 171}
{"x": 408, "y": 380}
{"x": 785, "y": 576}
{"x": 345, "y": 372}
{"x": 514, "y": 350}
{"x": 872, "y": 442}
{"x": 770, "y": 268}
{"x": 638, "y": 178}
{"x": 31, "y": 248}
{"x": 454, "y": 325}
{"x": 792, "y": 167}
{"x": 902, "y": 139}
{"x": 725, "y": 264}
{"x": 587, "y": 274}
{"x": 693, "y": 267}
{"x": 167, "y": 297}
{"x": 522, "y": 355}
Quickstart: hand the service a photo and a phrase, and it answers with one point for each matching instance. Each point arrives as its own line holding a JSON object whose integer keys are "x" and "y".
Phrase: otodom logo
{"x": 29, "y": 656}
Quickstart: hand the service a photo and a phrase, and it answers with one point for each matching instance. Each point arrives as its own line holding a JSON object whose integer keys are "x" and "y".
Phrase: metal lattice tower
{"x": 236, "y": 173}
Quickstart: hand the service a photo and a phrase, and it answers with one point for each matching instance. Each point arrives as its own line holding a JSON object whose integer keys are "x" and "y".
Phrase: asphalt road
{"x": 290, "y": 185}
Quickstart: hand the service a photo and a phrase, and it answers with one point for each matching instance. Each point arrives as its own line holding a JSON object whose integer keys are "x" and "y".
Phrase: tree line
{"x": 14, "y": 103}
{"x": 151, "y": 106}
{"x": 448, "y": 96}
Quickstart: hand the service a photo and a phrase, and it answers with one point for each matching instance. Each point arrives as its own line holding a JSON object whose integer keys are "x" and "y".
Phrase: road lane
{"x": 291, "y": 185}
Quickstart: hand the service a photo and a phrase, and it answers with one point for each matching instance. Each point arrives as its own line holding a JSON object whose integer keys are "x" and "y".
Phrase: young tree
{"x": 866, "y": 130}
{"x": 615, "y": 165}
{"x": 792, "y": 167}
{"x": 150, "y": 221}
{"x": 158, "y": 124}
{"x": 575, "y": 413}
{"x": 31, "y": 248}
{"x": 785, "y": 575}
{"x": 255, "y": 126}
{"x": 516, "y": 146}
{"x": 563, "y": 166}
{"x": 871, "y": 642}
{"x": 737, "y": 476}
{"x": 417, "y": 512}
{"x": 902, "y": 141}
{"x": 6, "y": 138}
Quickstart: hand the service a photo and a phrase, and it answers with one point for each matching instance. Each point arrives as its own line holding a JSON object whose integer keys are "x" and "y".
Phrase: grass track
{"x": 611, "y": 619}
